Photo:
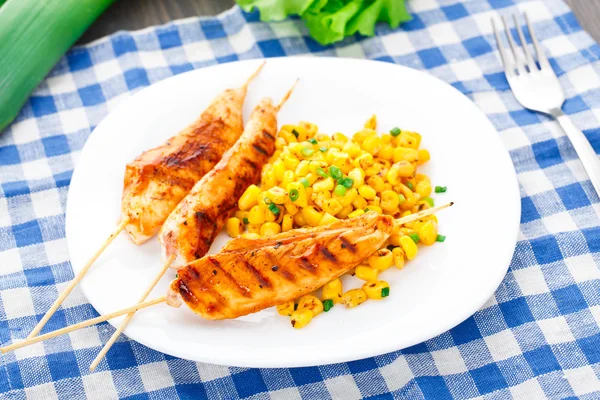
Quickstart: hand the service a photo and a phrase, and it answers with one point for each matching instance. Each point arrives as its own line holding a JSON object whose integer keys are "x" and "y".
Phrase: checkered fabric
{"x": 537, "y": 337}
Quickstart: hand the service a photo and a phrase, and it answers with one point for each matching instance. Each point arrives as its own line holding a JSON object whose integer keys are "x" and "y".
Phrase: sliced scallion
{"x": 441, "y": 189}
{"x": 335, "y": 172}
{"x": 327, "y": 305}
{"x": 385, "y": 292}
{"x": 294, "y": 194}
{"x": 395, "y": 131}
{"x": 274, "y": 209}
{"x": 415, "y": 237}
{"x": 339, "y": 191}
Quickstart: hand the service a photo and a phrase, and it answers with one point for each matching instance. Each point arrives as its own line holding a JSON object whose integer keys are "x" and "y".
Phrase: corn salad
{"x": 315, "y": 179}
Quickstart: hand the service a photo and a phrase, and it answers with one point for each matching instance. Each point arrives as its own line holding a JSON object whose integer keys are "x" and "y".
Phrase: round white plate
{"x": 444, "y": 285}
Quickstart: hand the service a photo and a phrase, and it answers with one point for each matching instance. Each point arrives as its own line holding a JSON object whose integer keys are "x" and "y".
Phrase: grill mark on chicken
{"x": 347, "y": 245}
{"x": 203, "y": 243}
{"x": 250, "y": 163}
{"x": 186, "y": 294}
{"x": 327, "y": 254}
{"x": 260, "y": 149}
{"x": 268, "y": 135}
{"x": 307, "y": 265}
{"x": 263, "y": 280}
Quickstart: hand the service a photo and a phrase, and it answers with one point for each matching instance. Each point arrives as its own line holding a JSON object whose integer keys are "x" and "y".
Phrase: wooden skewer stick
{"x": 286, "y": 96}
{"x": 81, "y": 325}
{"x": 421, "y": 214}
{"x": 129, "y": 316}
{"x": 76, "y": 280}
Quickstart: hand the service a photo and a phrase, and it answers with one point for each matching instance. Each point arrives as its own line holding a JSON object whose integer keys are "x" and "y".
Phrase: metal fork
{"x": 537, "y": 88}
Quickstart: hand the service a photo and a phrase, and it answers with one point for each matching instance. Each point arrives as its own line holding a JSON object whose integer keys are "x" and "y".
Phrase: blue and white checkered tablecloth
{"x": 537, "y": 337}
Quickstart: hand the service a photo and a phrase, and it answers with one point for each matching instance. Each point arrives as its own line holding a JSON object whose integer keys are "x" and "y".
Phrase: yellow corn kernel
{"x": 381, "y": 260}
{"x": 366, "y": 273}
{"x": 375, "y": 290}
{"x": 319, "y": 198}
{"x": 299, "y": 220}
{"x": 375, "y": 202}
{"x": 268, "y": 178}
{"x": 389, "y": 200}
{"x": 386, "y": 138}
{"x": 291, "y": 162}
{"x": 422, "y": 177}
{"x": 309, "y": 192}
{"x": 302, "y": 168}
{"x": 356, "y": 213}
{"x": 302, "y": 200}
{"x": 348, "y": 197}
{"x": 386, "y": 152}
{"x": 270, "y": 216}
{"x": 394, "y": 239}
{"x": 286, "y": 308}
{"x": 372, "y": 144}
{"x": 333, "y": 290}
{"x": 250, "y": 235}
{"x": 408, "y": 139}
{"x": 256, "y": 216}
{"x": 332, "y": 206}
{"x": 278, "y": 169}
{"x": 339, "y": 137}
{"x": 428, "y": 233}
{"x": 377, "y": 183}
{"x": 371, "y": 122}
{"x": 321, "y": 137}
{"x": 327, "y": 219}
{"x": 288, "y": 136}
{"x": 312, "y": 215}
{"x": 409, "y": 247}
{"x": 409, "y": 197}
{"x": 301, "y": 318}
{"x": 287, "y": 223}
{"x": 358, "y": 176}
{"x": 249, "y": 198}
{"x": 433, "y": 218}
{"x": 270, "y": 229}
{"x": 374, "y": 169}
{"x": 263, "y": 200}
{"x": 344, "y": 212}
{"x": 360, "y": 136}
{"x": 367, "y": 192}
{"x": 310, "y": 128}
{"x": 323, "y": 185}
{"x": 302, "y": 134}
{"x": 417, "y": 137}
{"x": 291, "y": 208}
{"x": 288, "y": 177}
{"x": 405, "y": 154}
{"x": 359, "y": 202}
{"x": 418, "y": 224}
{"x": 339, "y": 159}
{"x": 309, "y": 302}
{"x": 424, "y": 156}
{"x": 363, "y": 161}
{"x": 353, "y": 298}
{"x": 423, "y": 188}
{"x": 375, "y": 208}
{"x": 253, "y": 228}
{"x": 277, "y": 195}
{"x": 352, "y": 149}
{"x": 398, "y": 254}
{"x": 311, "y": 178}
{"x": 241, "y": 215}
{"x": 401, "y": 169}
{"x": 234, "y": 227}
{"x": 280, "y": 143}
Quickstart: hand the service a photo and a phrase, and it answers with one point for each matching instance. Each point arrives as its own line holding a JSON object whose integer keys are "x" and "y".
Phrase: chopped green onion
{"x": 401, "y": 198}
{"x": 335, "y": 172}
{"x": 295, "y": 132}
{"x": 246, "y": 222}
{"x": 441, "y": 189}
{"x": 268, "y": 201}
{"x": 414, "y": 237}
{"x": 323, "y": 149}
{"x": 385, "y": 292}
{"x": 339, "y": 191}
{"x": 327, "y": 305}
{"x": 440, "y": 238}
{"x": 321, "y": 172}
{"x": 274, "y": 209}
{"x": 312, "y": 140}
{"x": 306, "y": 152}
{"x": 430, "y": 201}
{"x": 410, "y": 185}
{"x": 346, "y": 182}
{"x": 367, "y": 210}
{"x": 395, "y": 131}
{"x": 305, "y": 182}
{"x": 294, "y": 194}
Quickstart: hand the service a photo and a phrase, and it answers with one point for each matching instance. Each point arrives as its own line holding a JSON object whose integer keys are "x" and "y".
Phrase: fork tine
{"x": 528, "y": 57}
{"x": 538, "y": 49}
{"x": 515, "y": 51}
{"x": 509, "y": 68}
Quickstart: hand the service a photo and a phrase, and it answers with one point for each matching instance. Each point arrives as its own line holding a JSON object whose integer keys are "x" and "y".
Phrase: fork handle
{"x": 582, "y": 147}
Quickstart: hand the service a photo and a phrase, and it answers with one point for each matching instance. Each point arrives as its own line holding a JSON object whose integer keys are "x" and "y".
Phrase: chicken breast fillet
{"x": 157, "y": 180}
{"x": 250, "y": 275}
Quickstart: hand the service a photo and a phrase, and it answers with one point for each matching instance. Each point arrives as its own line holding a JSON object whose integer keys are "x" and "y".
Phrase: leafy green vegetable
{"x": 329, "y": 21}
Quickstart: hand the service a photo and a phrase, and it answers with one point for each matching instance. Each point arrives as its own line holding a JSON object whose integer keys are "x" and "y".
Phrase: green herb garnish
{"x": 415, "y": 237}
{"x": 321, "y": 172}
{"x": 305, "y": 182}
{"x": 294, "y": 194}
{"x": 339, "y": 191}
{"x": 323, "y": 149}
{"x": 385, "y": 292}
{"x": 401, "y": 198}
{"x": 440, "y": 238}
{"x": 245, "y": 221}
{"x": 295, "y": 133}
{"x": 346, "y": 182}
{"x": 410, "y": 185}
{"x": 335, "y": 172}
{"x": 327, "y": 305}
{"x": 312, "y": 141}
{"x": 395, "y": 131}
{"x": 430, "y": 201}
{"x": 274, "y": 209}
{"x": 441, "y": 189}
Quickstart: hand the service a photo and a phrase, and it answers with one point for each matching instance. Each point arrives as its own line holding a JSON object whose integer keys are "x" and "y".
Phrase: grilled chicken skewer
{"x": 249, "y": 275}
{"x": 159, "y": 178}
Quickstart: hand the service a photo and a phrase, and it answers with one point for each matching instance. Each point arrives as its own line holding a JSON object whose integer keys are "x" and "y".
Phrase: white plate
{"x": 443, "y": 286}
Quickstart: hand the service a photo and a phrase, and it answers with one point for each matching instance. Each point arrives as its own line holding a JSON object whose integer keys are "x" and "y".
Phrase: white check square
{"x": 556, "y": 330}
{"x": 17, "y": 303}
{"x": 503, "y": 345}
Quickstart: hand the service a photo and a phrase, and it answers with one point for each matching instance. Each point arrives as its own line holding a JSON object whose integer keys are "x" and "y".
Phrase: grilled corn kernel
{"x": 288, "y": 136}
{"x": 327, "y": 219}
{"x": 424, "y": 156}
{"x": 401, "y": 169}
{"x": 376, "y": 290}
{"x": 332, "y": 206}
{"x": 348, "y": 197}
{"x": 408, "y": 139}
{"x": 372, "y": 144}
{"x": 268, "y": 179}
{"x": 360, "y": 136}
{"x": 377, "y": 183}
{"x": 249, "y": 198}
{"x": 323, "y": 185}
{"x": 270, "y": 229}
{"x": 312, "y": 215}
{"x": 358, "y": 176}
{"x": 333, "y": 290}
{"x": 291, "y": 208}
{"x": 301, "y": 318}
{"x": 319, "y": 198}
{"x": 409, "y": 247}
{"x": 291, "y": 162}
{"x": 394, "y": 239}
{"x": 287, "y": 223}
{"x": 353, "y": 298}
{"x": 302, "y": 200}
{"x": 250, "y": 235}
{"x": 286, "y": 308}
{"x": 339, "y": 137}
{"x": 280, "y": 143}
{"x": 299, "y": 220}
{"x": 371, "y": 122}
{"x": 253, "y": 228}
{"x": 277, "y": 195}
{"x": 278, "y": 169}
{"x": 302, "y": 168}
{"x": 241, "y": 215}
{"x": 389, "y": 200}
{"x": 363, "y": 161}
{"x": 310, "y": 128}
{"x": 409, "y": 197}
{"x": 428, "y": 233}
{"x": 288, "y": 177}
{"x": 405, "y": 154}
{"x": 423, "y": 188}
{"x": 381, "y": 260}
{"x": 398, "y": 254}
{"x": 234, "y": 227}
{"x": 386, "y": 152}
{"x": 256, "y": 215}
{"x": 309, "y": 302}
{"x": 343, "y": 214}
{"x": 356, "y": 213}
{"x": 366, "y": 273}
{"x": 375, "y": 202}
{"x": 374, "y": 169}
{"x": 359, "y": 202}
{"x": 352, "y": 149}
{"x": 367, "y": 192}
{"x": 375, "y": 208}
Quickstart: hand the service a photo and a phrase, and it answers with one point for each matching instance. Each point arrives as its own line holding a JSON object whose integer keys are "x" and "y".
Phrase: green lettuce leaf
{"x": 275, "y": 10}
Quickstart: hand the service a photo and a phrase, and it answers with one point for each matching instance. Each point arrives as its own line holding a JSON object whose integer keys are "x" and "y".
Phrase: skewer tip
{"x": 254, "y": 74}
{"x": 287, "y": 95}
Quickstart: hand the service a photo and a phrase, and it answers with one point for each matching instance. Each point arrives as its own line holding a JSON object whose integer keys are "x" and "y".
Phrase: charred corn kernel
{"x": 327, "y": 219}
{"x": 408, "y": 139}
{"x": 270, "y": 229}
{"x": 418, "y": 224}
{"x": 286, "y": 308}
{"x": 339, "y": 159}
{"x": 249, "y": 198}
{"x": 405, "y": 154}
{"x": 323, "y": 185}
{"x": 299, "y": 220}
{"x": 302, "y": 168}
{"x": 263, "y": 200}
{"x": 376, "y": 290}
{"x": 377, "y": 209}
{"x": 428, "y": 233}
{"x": 309, "y": 302}
{"x": 241, "y": 215}
{"x": 310, "y": 128}
{"x": 234, "y": 227}
{"x": 389, "y": 200}
{"x": 353, "y": 298}
{"x": 359, "y": 202}
{"x": 356, "y": 213}
{"x": 374, "y": 169}
{"x": 348, "y": 197}
{"x": 424, "y": 156}
{"x": 358, "y": 176}
{"x": 302, "y": 200}
{"x": 372, "y": 144}
{"x": 360, "y": 136}
{"x": 371, "y": 122}
{"x": 253, "y": 228}
{"x": 352, "y": 149}
{"x": 280, "y": 143}
{"x": 345, "y": 212}
{"x": 398, "y": 254}
{"x": 332, "y": 206}
{"x": 366, "y": 273}
{"x": 302, "y": 134}
{"x": 333, "y": 290}
{"x": 423, "y": 188}
{"x": 291, "y": 208}
{"x": 277, "y": 195}
{"x": 409, "y": 197}
{"x": 386, "y": 152}
{"x": 376, "y": 201}
{"x": 250, "y": 235}
{"x": 381, "y": 260}
{"x": 319, "y": 198}
{"x": 287, "y": 223}
{"x": 301, "y": 318}
{"x": 401, "y": 169}
{"x": 409, "y": 247}
{"x": 367, "y": 192}
{"x": 288, "y": 136}
{"x": 278, "y": 169}
{"x": 312, "y": 215}
{"x": 363, "y": 161}
{"x": 291, "y": 162}
{"x": 394, "y": 239}
{"x": 256, "y": 216}
{"x": 377, "y": 183}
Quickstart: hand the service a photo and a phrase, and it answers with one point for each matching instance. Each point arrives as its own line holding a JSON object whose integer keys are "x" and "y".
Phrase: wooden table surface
{"x": 137, "y": 14}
